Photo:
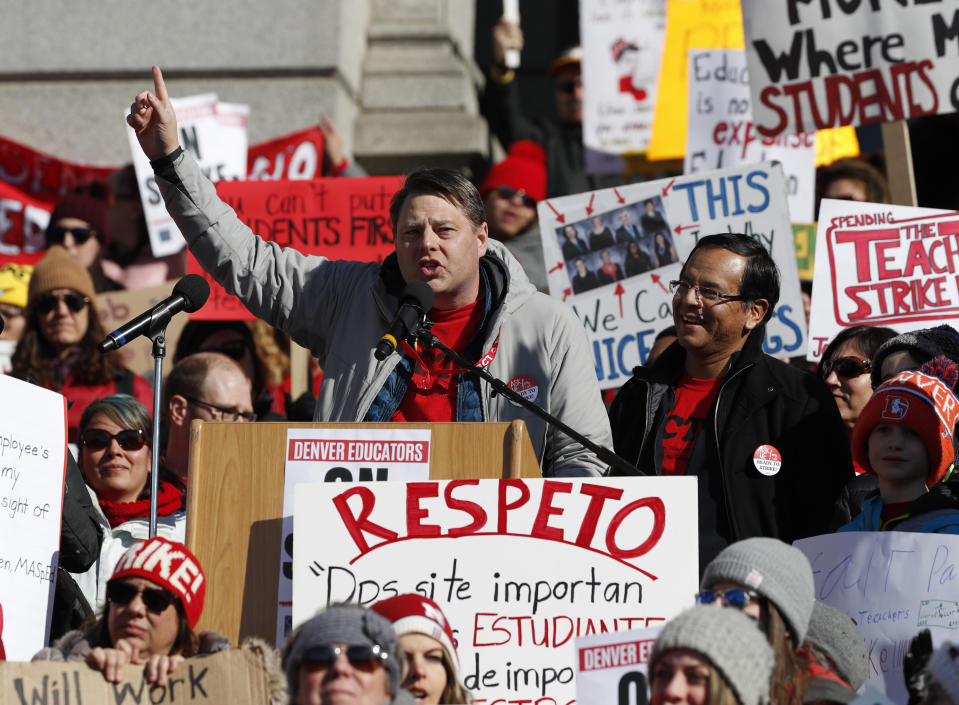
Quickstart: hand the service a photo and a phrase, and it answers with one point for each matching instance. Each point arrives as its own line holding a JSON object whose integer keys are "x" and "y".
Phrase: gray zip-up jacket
{"x": 339, "y": 309}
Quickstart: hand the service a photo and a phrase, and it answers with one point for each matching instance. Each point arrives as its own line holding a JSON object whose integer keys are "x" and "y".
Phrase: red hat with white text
{"x": 170, "y": 565}
{"x": 414, "y": 613}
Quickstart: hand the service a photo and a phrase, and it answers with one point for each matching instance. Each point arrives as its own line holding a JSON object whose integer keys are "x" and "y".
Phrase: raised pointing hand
{"x": 152, "y": 118}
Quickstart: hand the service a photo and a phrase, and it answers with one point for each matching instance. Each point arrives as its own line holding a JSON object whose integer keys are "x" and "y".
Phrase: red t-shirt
{"x": 431, "y": 395}
{"x": 694, "y": 397}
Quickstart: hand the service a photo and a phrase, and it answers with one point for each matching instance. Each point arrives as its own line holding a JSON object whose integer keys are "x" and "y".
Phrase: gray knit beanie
{"x": 925, "y": 344}
{"x": 342, "y": 624}
{"x": 835, "y": 634}
{"x": 731, "y": 641}
{"x": 944, "y": 667}
{"x": 775, "y": 570}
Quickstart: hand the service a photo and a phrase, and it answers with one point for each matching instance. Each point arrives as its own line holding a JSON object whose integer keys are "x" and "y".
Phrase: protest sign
{"x": 622, "y": 47}
{"x": 611, "y": 254}
{"x": 216, "y": 136}
{"x": 342, "y": 455}
{"x": 814, "y": 65}
{"x": 520, "y": 567}
{"x": 296, "y": 156}
{"x": 614, "y": 668}
{"x": 335, "y": 218}
{"x": 43, "y": 177}
{"x": 893, "y": 583}
{"x": 721, "y": 132}
{"x": 237, "y": 677}
{"x": 23, "y": 224}
{"x": 883, "y": 265}
{"x": 33, "y": 433}
{"x": 805, "y": 236}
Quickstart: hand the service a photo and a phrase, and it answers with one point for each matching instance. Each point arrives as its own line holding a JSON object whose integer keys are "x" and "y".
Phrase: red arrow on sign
{"x": 619, "y": 291}
{"x": 559, "y": 216}
{"x": 559, "y": 266}
{"x": 621, "y": 199}
{"x": 667, "y": 187}
{"x": 566, "y": 293}
{"x": 658, "y": 280}
{"x": 679, "y": 228}
{"x": 589, "y": 208}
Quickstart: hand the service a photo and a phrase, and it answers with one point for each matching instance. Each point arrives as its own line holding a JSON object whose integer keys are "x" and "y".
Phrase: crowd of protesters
{"x": 705, "y": 400}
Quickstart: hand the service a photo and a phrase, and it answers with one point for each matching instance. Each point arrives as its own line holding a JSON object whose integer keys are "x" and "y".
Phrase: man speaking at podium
{"x": 484, "y": 306}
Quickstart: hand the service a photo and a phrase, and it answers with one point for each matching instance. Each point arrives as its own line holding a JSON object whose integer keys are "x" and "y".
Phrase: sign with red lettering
{"x": 828, "y": 63}
{"x": 298, "y": 155}
{"x": 612, "y": 669}
{"x": 342, "y": 455}
{"x": 883, "y": 265}
{"x": 335, "y": 218}
{"x": 520, "y": 567}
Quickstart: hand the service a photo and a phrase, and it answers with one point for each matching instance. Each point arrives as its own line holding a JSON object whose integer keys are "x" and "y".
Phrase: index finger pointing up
{"x": 158, "y": 85}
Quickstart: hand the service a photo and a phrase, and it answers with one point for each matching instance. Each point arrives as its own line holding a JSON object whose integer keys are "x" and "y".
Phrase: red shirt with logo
{"x": 694, "y": 398}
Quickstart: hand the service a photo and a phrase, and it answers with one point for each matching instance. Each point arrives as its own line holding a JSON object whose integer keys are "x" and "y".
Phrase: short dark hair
{"x": 761, "y": 277}
{"x": 877, "y": 190}
{"x": 868, "y": 338}
{"x": 445, "y": 183}
{"x": 187, "y": 377}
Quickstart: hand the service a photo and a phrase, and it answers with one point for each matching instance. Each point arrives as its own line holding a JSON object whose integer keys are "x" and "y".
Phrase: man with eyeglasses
{"x": 764, "y": 438}
{"x": 206, "y": 386}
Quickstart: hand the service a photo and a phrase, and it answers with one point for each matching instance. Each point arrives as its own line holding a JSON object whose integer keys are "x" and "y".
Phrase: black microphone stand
{"x": 423, "y": 333}
{"x": 157, "y": 334}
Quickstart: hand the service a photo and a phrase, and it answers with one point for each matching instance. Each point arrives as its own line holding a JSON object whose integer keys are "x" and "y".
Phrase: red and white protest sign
{"x": 296, "y": 156}
{"x": 521, "y": 568}
{"x": 883, "y": 265}
{"x": 613, "y": 668}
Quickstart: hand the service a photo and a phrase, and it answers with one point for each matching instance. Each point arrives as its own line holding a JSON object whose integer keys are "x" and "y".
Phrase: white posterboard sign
{"x": 33, "y": 442}
{"x": 613, "y": 669}
{"x": 882, "y": 265}
{"x": 520, "y": 567}
{"x": 893, "y": 583}
{"x": 586, "y": 243}
{"x": 720, "y": 131}
{"x": 219, "y": 143}
{"x": 622, "y": 51}
{"x": 814, "y": 65}
{"x": 342, "y": 455}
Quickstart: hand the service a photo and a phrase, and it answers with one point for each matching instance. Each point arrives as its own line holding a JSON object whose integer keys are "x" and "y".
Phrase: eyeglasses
{"x": 45, "y": 303}
{"x": 232, "y": 348}
{"x": 223, "y": 414}
{"x": 98, "y": 439}
{"x": 846, "y": 367}
{"x": 703, "y": 293}
{"x": 360, "y": 656}
{"x": 736, "y": 597}
{"x": 56, "y": 234}
{"x": 154, "y": 599}
{"x": 508, "y": 192}
{"x": 568, "y": 86}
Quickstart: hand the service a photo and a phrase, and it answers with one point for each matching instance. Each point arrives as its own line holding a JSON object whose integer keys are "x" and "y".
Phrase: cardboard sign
{"x": 622, "y": 48}
{"x": 893, "y": 583}
{"x": 216, "y": 135}
{"x": 296, "y": 156}
{"x": 814, "y": 65}
{"x": 614, "y": 668}
{"x": 721, "y": 132}
{"x": 520, "y": 567}
{"x": 238, "y": 677}
{"x": 613, "y": 253}
{"x": 33, "y": 434}
{"x": 341, "y": 455}
{"x": 335, "y": 218}
{"x": 882, "y": 265}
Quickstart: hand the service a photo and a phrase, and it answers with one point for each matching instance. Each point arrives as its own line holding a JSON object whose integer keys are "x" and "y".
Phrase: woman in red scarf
{"x": 115, "y": 459}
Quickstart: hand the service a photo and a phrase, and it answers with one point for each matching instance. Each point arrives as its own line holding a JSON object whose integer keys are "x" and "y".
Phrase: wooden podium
{"x": 235, "y": 504}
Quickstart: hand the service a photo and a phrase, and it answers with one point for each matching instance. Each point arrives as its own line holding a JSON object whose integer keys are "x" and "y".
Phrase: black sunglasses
{"x": 45, "y": 303}
{"x": 846, "y": 367}
{"x": 508, "y": 192}
{"x": 232, "y": 348}
{"x": 154, "y": 599}
{"x": 360, "y": 656}
{"x": 737, "y": 597}
{"x": 56, "y": 234}
{"x": 98, "y": 439}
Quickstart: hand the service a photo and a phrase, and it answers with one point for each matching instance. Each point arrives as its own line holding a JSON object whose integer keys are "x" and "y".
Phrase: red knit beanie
{"x": 924, "y": 401}
{"x": 90, "y": 209}
{"x": 413, "y": 612}
{"x": 524, "y": 168}
{"x": 170, "y": 565}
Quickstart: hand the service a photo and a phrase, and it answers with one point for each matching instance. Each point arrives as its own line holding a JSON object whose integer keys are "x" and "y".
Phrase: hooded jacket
{"x": 935, "y": 512}
{"x": 339, "y": 309}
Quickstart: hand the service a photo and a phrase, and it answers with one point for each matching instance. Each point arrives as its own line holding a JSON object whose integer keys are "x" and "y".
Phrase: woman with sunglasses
{"x": 771, "y": 582}
{"x": 58, "y": 348}
{"x": 345, "y": 649}
{"x": 115, "y": 459}
{"x": 78, "y": 223}
{"x": 427, "y": 648}
{"x": 155, "y": 597}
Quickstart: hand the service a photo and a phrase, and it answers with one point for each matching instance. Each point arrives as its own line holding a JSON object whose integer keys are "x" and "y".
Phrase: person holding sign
{"x": 154, "y": 600}
{"x": 905, "y": 438}
{"x": 710, "y": 657}
{"x": 484, "y": 308}
{"x": 426, "y": 642}
{"x": 764, "y": 437}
